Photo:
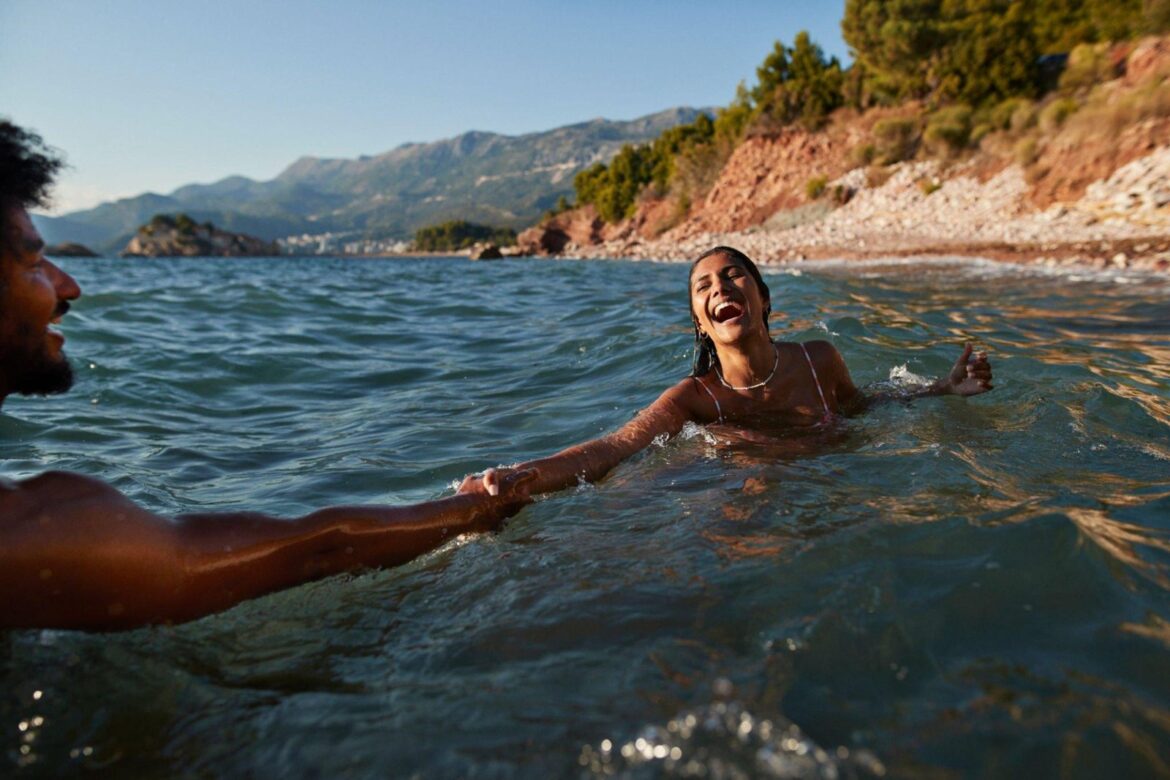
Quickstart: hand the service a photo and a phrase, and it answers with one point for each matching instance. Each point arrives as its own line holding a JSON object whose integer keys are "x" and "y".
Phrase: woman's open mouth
{"x": 726, "y": 311}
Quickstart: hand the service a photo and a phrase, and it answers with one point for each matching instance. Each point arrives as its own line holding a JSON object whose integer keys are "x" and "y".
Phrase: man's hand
{"x": 971, "y": 374}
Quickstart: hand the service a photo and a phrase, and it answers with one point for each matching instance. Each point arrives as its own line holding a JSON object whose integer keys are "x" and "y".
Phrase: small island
{"x": 181, "y": 236}
{"x": 70, "y": 249}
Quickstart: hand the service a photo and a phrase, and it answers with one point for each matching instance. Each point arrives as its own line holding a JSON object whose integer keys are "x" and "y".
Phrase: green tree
{"x": 773, "y": 72}
{"x": 1060, "y": 25}
{"x": 990, "y": 52}
{"x": 893, "y": 42}
{"x": 797, "y": 84}
{"x": 730, "y": 122}
{"x": 589, "y": 183}
{"x": 975, "y": 51}
{"x": 814, "y": 86}
{"x": 457, "y": 234}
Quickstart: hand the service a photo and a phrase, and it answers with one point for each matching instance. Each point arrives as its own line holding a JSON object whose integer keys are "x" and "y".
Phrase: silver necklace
{"x": 775, "y": 364}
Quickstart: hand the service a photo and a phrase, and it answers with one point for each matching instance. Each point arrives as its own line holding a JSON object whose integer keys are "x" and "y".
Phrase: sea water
{"x": 974, "y": 586}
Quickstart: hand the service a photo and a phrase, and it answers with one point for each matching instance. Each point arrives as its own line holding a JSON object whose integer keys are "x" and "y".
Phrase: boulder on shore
{"x": 485, "y": 251}
{"x": 553, "y": 236}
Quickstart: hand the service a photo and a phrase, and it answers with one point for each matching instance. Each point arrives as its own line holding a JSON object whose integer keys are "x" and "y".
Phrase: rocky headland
{"x": 1093, "y": 189}
{"x": 181, "y": 236}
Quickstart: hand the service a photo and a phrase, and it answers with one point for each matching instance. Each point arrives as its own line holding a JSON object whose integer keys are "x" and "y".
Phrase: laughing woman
{"x": 740, "y": 378}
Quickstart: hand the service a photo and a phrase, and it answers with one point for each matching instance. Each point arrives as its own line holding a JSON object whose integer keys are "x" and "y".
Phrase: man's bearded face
{"x": 27, "y": 365}
{"x": 34, "y": 293}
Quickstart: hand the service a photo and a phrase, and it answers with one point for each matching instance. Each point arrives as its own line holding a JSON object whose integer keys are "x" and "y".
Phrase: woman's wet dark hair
{"x": 705, "y": 356}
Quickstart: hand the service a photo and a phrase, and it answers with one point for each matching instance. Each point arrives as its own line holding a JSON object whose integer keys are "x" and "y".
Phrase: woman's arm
{"x": 594, "y": 459}
{"x": 76, "y": 553}
{"x": 970, "y": 375}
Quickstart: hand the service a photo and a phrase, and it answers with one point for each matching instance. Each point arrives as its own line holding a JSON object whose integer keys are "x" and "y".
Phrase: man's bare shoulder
{"x": 54, "y": 493}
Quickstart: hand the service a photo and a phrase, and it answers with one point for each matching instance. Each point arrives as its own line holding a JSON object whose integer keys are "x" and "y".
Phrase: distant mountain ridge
{"x": 506, "y": 181}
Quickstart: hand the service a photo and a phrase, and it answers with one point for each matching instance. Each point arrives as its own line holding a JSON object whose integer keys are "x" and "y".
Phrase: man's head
{"x": 33, "y": 291}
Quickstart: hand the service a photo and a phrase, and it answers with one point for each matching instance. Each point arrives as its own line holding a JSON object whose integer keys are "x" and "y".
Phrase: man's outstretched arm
{"x": 76, "y": 553}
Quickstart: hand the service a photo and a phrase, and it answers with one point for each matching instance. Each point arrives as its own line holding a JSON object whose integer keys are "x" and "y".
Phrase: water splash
{"x": 724, "y": 739}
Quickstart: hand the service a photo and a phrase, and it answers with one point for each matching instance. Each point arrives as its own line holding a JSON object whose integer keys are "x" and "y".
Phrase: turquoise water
{"x": 973, "y": 587}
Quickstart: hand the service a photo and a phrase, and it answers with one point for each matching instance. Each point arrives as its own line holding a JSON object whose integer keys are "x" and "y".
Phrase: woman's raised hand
{"x": 970, "y": 375}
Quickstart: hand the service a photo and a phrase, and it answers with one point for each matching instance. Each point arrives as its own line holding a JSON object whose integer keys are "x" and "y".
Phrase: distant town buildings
{"x": 340, "y": 244}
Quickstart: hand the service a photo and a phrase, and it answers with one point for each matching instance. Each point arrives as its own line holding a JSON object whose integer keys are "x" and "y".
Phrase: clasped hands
{"x": 510, "y": 484}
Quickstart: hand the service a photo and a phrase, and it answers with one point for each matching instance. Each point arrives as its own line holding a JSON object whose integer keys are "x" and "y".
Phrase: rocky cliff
{"x": 166, "y": 236}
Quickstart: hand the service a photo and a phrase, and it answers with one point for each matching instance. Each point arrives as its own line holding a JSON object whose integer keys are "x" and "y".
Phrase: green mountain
{"x": 506, "y": 181}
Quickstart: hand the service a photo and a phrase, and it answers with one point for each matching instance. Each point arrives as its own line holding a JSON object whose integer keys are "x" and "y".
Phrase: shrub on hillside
{"x": 1027, "y": 151}
{"x": 1053, "y": 115}
{"x": 929, "y": 186}
{"x": 1000, "y": 116}
{"x": 895, "y": 140}
{"x": 1088, "y": 65}
{"x": 979, "y": 132}
{"x": 815, "y": 187}
{"x": 1024, "y": 117}
{"x": 863, "y": 155}
{"x": 876, "y": 176}
{"x": 948, "y": 130}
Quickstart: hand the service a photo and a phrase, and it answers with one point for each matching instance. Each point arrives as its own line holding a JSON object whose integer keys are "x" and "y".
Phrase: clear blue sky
{"x": 147, "y": 96}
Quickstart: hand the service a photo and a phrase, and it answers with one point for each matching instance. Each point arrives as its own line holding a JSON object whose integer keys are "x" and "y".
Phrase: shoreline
{"x": 1149, "y": 254}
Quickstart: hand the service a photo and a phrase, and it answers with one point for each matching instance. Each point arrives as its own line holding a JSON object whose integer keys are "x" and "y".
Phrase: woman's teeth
{"x": 726, "y": 311}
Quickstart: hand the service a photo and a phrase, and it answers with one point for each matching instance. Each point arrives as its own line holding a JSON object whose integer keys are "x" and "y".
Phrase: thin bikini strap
{"x": 718, "y": 408}
{"x": 820, "y": 392}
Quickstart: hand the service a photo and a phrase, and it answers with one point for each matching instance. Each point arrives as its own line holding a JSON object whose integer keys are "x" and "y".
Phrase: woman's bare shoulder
{"x": 692, "y": 397}
{"x": 821, "y": 348}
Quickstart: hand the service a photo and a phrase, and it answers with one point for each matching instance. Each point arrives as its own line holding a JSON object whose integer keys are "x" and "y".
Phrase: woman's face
{"x": 725, "y": 300}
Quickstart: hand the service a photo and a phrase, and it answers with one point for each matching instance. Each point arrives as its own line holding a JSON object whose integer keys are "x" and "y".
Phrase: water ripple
{"x": 967, "y": 587}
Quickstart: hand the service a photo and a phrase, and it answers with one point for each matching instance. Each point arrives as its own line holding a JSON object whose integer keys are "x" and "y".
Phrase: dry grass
{"x": 1108, "y": 111}
{"x": 877, "y": 175}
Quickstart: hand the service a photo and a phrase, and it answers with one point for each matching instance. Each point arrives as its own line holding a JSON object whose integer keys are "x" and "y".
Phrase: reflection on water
{"x": 936, "y": 588}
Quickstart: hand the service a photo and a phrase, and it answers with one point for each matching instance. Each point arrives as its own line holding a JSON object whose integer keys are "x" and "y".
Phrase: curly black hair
{"x": 27, "y": 169}
{"x": 705, "y": 357}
